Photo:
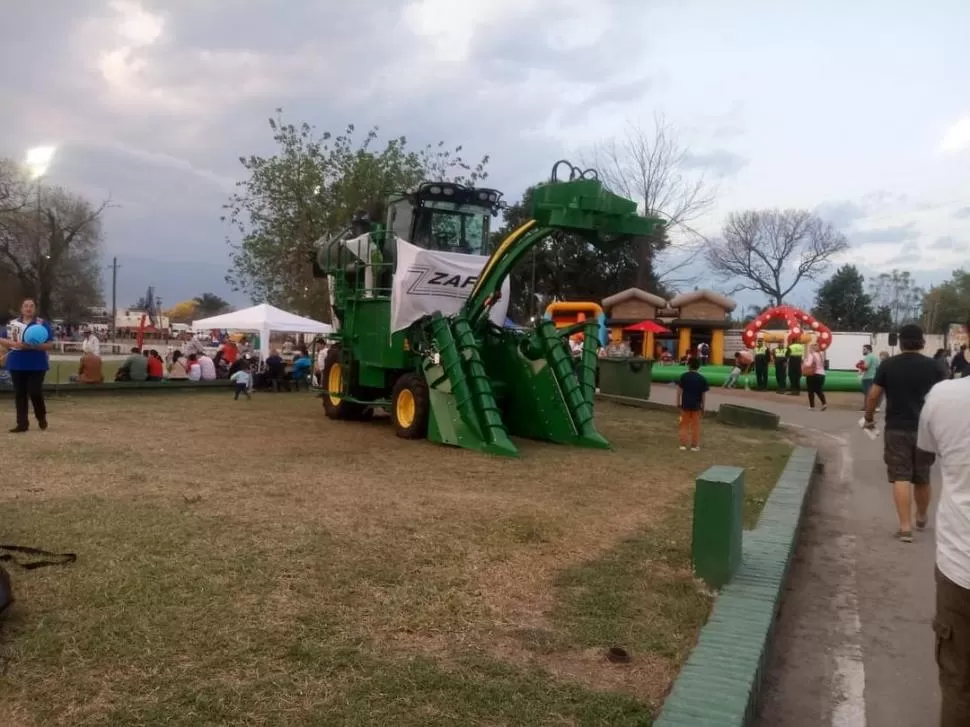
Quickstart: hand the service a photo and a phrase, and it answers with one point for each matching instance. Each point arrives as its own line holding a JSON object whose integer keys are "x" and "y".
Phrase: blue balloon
{"x": 35, "y": 335}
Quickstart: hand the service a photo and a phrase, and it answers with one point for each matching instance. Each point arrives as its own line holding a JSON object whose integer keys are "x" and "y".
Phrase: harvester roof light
{"x": 448, "y": 191}
{"x": 483, "y": 195}
{"x": 435, "y": 190}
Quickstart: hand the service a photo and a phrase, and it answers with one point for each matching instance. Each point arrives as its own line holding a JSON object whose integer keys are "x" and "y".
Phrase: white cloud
{"x": 957, "y": 137}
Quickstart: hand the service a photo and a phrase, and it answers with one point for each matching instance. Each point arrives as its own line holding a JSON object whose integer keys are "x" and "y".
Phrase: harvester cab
{"x": 445, "y": 217}
{"x": 419, "y": 306}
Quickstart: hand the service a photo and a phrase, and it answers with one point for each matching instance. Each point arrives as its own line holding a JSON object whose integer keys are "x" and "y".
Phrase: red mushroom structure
{"x": 801, "y": 326}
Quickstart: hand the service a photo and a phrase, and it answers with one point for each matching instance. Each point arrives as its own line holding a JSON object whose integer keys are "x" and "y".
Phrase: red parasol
{"x": 647, "y": 327}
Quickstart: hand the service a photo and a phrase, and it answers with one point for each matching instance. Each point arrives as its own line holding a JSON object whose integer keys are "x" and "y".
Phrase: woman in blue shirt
{"x": 28, "y": 366}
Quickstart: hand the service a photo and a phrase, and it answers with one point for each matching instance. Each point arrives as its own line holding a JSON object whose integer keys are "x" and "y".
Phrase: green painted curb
{"x": 720, "y": 683}
{"x": 644, "y": 404}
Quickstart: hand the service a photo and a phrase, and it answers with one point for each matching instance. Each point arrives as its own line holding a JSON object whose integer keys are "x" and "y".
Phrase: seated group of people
{"x": 277, "y": 375}
{"x": 193, "y": 364}
{"x": 149, "y": 365}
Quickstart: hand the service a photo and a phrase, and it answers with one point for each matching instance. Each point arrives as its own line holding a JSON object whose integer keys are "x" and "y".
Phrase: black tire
{"x": 414, "y": 386}
{"x": 339, "y": 408}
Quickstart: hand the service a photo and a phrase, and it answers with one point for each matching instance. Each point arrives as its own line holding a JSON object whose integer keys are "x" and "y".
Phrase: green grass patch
{"x": 318, "y": 573}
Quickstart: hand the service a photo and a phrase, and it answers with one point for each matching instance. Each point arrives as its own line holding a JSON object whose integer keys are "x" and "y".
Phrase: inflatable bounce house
{"x": 689, "y": 319}
{"x": 565, "y": 314}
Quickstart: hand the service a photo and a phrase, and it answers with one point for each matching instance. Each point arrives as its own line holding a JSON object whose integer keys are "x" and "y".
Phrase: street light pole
{"x": 38, "y": 161}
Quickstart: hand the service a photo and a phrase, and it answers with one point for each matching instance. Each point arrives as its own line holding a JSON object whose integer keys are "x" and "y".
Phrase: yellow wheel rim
{"x": 335, "y": 384}
{"x": 405, "y": 408}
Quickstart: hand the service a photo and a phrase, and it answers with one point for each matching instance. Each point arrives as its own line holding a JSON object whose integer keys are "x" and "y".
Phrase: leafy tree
{"x": 209, "y": 304}
{"x": 898, "y": 294}
{"x": 50, "y": 245}
{"x": 309, "y": 190}
{"x": 947, "y": 303}
{"x": 843, "y": 304}
{"x": 183, "y": 311}
{"x": 772, "y": 251}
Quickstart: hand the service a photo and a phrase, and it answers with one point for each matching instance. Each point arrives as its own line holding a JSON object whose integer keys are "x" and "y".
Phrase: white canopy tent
{"x": 262, "y": 319}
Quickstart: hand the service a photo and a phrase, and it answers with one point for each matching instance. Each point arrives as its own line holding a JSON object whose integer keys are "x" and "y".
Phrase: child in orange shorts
{"x": 692, "y": 390}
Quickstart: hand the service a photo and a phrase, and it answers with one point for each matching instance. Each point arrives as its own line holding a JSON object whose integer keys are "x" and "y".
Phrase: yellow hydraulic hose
{"x": 500, "y": 251}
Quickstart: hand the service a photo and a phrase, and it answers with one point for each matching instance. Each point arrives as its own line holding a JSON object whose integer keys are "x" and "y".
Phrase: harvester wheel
{"x": 410, "y": 407}
{"x": 335, "y": 379}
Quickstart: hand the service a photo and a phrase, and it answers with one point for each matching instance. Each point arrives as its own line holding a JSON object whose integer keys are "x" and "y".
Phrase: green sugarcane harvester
{"x": 451, "y": 372}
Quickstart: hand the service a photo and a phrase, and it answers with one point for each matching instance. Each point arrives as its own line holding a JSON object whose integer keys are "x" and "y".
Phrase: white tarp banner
{"x": 426, "y": 281}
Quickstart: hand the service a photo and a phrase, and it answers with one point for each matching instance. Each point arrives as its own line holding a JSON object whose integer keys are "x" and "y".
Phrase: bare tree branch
{"x": 650, "y": 167}
{"x": 772, "y": 251}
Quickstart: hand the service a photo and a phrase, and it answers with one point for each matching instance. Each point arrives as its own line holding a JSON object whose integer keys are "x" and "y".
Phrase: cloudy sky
{"x": 860, "y": 110}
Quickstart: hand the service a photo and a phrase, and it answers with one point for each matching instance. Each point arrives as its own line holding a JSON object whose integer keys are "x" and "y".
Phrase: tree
{"x": 183, "y": 311}
{"x": 650, "y": 166}
{"x": 899, "y": 295}
{"x": 947, "y": 303}
{"x": 50, "y": 244}
{"x": 843, "y": 304}
{"x": 772, "y": 251}
{"x": 309, "y": 190}
{"x": 210, "y": 304}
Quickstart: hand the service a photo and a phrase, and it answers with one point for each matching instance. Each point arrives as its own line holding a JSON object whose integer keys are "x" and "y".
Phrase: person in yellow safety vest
{"x": 796, "y": 352}
{"x": 761, "y": 365}
{"x": 781, "y": 369}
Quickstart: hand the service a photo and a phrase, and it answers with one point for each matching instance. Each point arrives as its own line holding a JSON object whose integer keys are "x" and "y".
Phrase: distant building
{"x": 128, "y": 319}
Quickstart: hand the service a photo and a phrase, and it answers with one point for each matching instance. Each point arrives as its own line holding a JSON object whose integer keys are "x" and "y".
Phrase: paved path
{"x": 854, "y": 646}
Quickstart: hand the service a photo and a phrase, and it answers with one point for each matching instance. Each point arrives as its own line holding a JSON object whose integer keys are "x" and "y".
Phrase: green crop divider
{"x": 718, "y": 525}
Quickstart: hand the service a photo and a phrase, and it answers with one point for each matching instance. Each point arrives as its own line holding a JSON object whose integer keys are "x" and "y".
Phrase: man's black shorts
{"x": 904, "y": 461}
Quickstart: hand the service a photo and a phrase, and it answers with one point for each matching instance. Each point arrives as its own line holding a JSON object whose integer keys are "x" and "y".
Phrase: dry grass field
{"x": 253, "y": 563}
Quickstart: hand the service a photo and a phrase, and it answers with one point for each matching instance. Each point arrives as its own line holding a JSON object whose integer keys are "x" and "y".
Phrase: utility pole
{"x": 114, "y": 296}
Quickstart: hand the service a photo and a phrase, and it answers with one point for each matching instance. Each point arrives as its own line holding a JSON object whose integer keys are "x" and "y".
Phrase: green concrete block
{"x": 718, "y": 525}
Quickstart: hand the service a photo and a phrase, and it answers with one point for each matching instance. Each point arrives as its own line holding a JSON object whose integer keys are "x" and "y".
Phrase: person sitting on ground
{"x": 177, "y": 370}
{"x": 301, "y": 369}
{"x": 155, "y": 366}
{"x": 134, "y": 368}
{"x": 732, "y": 380}
{"x": 194, "y": 368}
{"x": 223, "y": 367}
{"x": 207, "y": 367}
{"x": 89, "y": 372}
{"x": 276, "y": 370}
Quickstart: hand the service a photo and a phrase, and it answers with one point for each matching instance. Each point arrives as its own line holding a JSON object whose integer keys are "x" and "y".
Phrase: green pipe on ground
{"x": 716, "y": 376}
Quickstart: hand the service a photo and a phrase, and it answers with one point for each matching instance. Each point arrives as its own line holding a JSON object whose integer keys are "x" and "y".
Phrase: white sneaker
{"x": 683, "y": 448}
{"x": 695, "y": 449}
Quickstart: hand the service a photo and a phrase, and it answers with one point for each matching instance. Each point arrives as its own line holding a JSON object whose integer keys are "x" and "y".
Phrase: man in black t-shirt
{"x": 906, "y": 379}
